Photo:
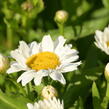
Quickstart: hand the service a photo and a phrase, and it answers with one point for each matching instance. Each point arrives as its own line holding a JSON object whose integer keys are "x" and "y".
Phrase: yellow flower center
{"x": 107, "y": 43}
{"x": 43, "y": 60}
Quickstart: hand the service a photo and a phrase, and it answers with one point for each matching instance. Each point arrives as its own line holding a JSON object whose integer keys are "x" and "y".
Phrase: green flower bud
{"x": 49, "y": 92}
{"x": 106, "y": 72}
{"x": 61, "y": 16}
{"x": 4, "y": 63}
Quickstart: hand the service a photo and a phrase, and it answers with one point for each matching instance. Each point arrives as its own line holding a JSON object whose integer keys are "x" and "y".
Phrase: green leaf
{"x": 87, "y": 28}
{"x": 12, "y": 101}
{"x": 96, "y": 96}
{"x": 78, "y": 104}
{"x": 78, "y": 82}
{"x": 106, "y": 3}
{"x": 105, "y": 101}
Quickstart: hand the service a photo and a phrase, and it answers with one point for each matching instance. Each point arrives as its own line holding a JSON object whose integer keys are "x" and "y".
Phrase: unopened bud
{"x": 61, "y": 16}
{"x": 49, "y": 92}
{"x": 106, "y": 72}
{"x": 27, "y": 6}
{"x": 3, "y": 63}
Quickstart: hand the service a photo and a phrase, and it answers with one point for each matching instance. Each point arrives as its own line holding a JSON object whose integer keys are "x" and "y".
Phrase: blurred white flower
{"x": 106, "y": 72}
{"x": 3, "y": 63}
{"x": 49, "y": 92}
{"x": 47, "y": 104}
{"x": 47, "y": 58}
{"x": 102, "y": 40}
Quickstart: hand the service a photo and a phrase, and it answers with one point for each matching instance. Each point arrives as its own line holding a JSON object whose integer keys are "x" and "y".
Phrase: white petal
{"x": 39, "y": 75}
{"x": 59, "y": 43}
{"x": 26, "y": 77}
{"x": 30, "y": 106}
{"x": 70, "y": 59}
{"x": 36, "y": 105}
{"x": 34, "y": 48}
{"x": 15, "y": 67}
{"x": 106, "y": 34}
{"x": 99, "y": 33}
{"x": 47, "y": 43}
{"x": 24, "y": 49}
{"x": 18, "y": 57}
{"x": 58, "y": 76}
{"x": 70, "y": 67}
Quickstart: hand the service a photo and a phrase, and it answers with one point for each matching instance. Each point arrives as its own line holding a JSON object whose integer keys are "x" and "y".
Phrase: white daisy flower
{"x": 102, "y": 40}
{"x": 47, "y": 58}
{"x": 47, "y": 104}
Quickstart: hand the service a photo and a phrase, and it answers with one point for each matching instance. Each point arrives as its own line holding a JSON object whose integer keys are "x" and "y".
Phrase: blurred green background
{"x": 29, "y": 20}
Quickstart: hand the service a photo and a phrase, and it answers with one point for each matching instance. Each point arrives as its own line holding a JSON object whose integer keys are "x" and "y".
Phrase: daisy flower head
{"x": 48, "y": 58}
{"x": 102, "y": 40}
{"x": 52, "y": 103}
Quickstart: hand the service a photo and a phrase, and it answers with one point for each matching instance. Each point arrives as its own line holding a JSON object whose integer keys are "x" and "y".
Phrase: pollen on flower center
{"x": 107, "y": 43}
{"x": 43, "y": 60}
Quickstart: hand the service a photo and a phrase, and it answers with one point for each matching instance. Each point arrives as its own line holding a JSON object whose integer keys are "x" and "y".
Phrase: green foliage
{"x": 96, "y": 96}
{"x": 12, "y": 101}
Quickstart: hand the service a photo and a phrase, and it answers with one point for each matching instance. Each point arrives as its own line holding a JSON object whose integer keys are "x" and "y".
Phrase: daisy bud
{"x": 106, "y": 72}
{"x": 49, "y": 92}
{"x": 61, "y": 16}
{"x": 3, "y": 63}
{"x": 27, "y": 6}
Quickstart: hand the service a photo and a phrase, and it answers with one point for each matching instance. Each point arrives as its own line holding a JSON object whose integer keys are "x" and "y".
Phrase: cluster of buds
{"x": 49, "y": 92}
{"x": 27, "y": 6}
{"x": 3, "y": 63}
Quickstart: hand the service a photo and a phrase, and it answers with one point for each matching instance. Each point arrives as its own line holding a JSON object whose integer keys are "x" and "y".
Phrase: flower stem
{"x": 10, "y": 37}
{"x": 9, "y": 33}
{"x": 61, "y": 28}
{"x": 28, "y": 89}
{"x": 107, "y": 90}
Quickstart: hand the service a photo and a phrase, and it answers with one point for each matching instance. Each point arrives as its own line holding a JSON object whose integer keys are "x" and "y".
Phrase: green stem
{"x": 24, "y": 21}
{"x": 61, "y": 28}
{"x": 28, "y": 89}
{"x": 107, "y": 90}
{"x": 9, "y": 37}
